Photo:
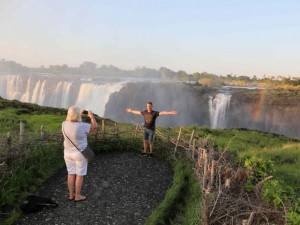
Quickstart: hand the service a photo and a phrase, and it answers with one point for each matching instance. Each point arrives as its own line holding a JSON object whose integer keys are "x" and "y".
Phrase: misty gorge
{"x": 225, "y": 107}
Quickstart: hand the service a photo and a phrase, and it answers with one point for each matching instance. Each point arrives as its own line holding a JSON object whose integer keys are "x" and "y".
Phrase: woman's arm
{"x": 94, "y": 124}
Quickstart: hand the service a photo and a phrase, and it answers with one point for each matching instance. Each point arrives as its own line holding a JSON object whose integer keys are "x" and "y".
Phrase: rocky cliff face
{"x": 266, "y": 110}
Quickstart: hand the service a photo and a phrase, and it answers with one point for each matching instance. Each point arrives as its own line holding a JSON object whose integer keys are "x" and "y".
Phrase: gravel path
{"x": 122, "y": 189}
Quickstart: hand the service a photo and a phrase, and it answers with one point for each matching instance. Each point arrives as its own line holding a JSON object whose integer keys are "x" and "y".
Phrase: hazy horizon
{"x": 240, "y": 38}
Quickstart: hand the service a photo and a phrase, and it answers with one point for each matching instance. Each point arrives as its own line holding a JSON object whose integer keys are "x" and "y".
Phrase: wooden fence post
{"x": 212, "y": 173}
{"x": 199, "y": 157}
{"x": 22, "y": 132}
{"x": 190, "y": 143}
{"x": 42, "y": 132}
{"x": 193, "y": 152}
{"x": 136, "y": 129}
{"x": 8, "y": 139}
{"x": 117, "y": 130}
{"x": 103, "y": 128}
{"x": 205, "y": 208}
{"x": 178, "y": 138}
{"x": 204, "y": 169}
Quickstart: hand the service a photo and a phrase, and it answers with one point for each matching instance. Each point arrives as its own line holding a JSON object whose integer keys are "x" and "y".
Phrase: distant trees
{"x": 204, "y": 78}
{"x": 146, "y": 72}
{"x": 166, "y": 74}
{"x": 88, "y": 68}
{"x": 12, "y": 67}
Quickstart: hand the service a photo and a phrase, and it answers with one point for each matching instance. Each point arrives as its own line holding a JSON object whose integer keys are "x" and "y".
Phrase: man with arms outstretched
{"x": 149, "y": 124}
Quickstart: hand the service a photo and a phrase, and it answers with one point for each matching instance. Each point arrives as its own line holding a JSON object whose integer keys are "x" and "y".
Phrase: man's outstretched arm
{"x": 130, "y": 110}
{"x": 168, "y": 113}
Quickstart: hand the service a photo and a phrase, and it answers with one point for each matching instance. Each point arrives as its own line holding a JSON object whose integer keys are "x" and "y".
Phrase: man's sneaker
{"x": 144, "y": 154}
{"x": 150, "y": 154}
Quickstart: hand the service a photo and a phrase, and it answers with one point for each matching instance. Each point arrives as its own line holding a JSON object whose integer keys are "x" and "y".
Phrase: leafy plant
{"x": 293, "y": 216}
{"x": 274, "y": 193}
{"x": 259, "y": 169}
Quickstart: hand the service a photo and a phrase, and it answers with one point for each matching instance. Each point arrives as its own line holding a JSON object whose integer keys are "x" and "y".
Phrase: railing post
{"x": 136, "y": 130}
{"x": 193, "y": 151}
{"x": 117, "y": 130}
{"x": 22, "y": 132}
{"x": 190, "y": 143}
{"x": 116, "y": 127}
{"x": 8, "y": 139}
{"x": 42, "y": 132}
{"x": 204, "y": 180}
{"x": 212, "y": 173}
{"x": 178, "y": 138}
{"x": 103, "y": 128}
{"x": 169, "y": 135}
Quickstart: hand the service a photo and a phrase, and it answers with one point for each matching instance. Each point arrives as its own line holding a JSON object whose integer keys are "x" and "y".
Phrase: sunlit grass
{"x": 49, "y": 122}
{"x": 286, "y": 160}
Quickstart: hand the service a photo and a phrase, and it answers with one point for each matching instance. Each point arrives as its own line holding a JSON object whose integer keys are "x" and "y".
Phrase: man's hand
{"x": 129, "y": 110}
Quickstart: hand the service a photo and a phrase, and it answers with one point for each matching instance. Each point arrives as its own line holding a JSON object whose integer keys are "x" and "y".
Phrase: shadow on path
{"x": 121, "y": 189}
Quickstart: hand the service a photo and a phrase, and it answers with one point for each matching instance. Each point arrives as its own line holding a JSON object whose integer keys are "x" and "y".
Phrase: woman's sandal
{"x": 81, "y": 199}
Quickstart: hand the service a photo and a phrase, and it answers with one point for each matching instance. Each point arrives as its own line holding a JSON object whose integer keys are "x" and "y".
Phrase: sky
{"x": 237, "y": 37}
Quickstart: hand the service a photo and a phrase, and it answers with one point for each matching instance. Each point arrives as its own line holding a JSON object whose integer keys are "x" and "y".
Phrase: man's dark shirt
{"x": 149, "y": 119}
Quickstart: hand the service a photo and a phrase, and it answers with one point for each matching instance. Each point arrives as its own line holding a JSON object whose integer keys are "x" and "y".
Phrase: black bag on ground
{"x": 88, "y": 153}
{"x": 36, "y": 203}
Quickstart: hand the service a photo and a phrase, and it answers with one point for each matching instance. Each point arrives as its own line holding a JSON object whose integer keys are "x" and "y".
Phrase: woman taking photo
{"x": 75, "y": 133}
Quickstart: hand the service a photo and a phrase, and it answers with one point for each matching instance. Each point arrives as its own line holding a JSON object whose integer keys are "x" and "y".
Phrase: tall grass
{"x": 42, "y": 162}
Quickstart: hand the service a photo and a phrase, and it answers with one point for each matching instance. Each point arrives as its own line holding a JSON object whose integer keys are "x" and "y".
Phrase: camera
{"x": 85, "y": 112}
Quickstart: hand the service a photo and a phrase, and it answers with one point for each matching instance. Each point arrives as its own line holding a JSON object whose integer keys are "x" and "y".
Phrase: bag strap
{"x": 68, "y": 137}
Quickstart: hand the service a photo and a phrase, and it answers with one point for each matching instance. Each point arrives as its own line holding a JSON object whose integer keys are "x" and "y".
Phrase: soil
{"x": 121, "y": 189}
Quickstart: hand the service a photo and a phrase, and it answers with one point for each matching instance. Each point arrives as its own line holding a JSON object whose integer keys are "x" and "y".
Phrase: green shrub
{"x": 259, "y": 169}
{"x": 293, "y": 216}
{"x": 274, "y": 193}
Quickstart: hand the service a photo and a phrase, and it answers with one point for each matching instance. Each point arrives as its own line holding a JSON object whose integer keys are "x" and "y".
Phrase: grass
{"x": 181, "y": 204}
{"x": 10, "y": 121}
{"x": 286, "y": 160}
{"x": 51, "y": 122}
{"x": 42, "y": 162}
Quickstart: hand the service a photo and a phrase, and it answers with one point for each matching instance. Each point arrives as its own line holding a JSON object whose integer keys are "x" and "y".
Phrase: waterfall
{"x": 61, "y": 95}
{"x": 217, "y": 110}
{"x": 58, "y": 91}
{"x": 95, "y": 97}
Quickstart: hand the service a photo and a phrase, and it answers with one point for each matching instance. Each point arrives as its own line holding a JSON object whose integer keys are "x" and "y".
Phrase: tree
{"x": 166, "y": 73}
{"x": 88, "y": 68}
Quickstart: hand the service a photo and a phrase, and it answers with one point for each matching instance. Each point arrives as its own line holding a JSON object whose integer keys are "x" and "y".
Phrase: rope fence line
{"x": 222, "y": 182}
{"x": 216, "y": 178}
{"x": 16, "y": 146}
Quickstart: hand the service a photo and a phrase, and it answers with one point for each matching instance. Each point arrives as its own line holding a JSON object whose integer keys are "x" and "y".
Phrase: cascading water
{"x": 217, "y": 110}
{"x": 57, "y": 91}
